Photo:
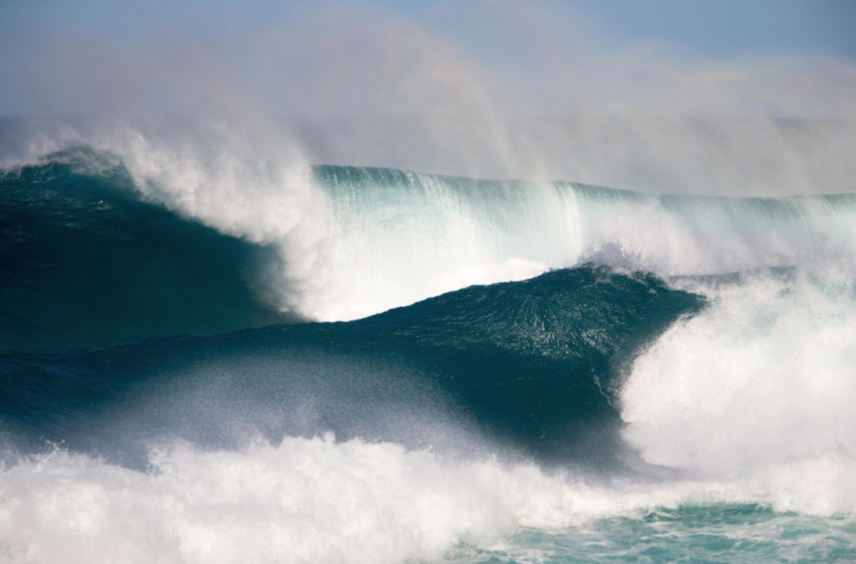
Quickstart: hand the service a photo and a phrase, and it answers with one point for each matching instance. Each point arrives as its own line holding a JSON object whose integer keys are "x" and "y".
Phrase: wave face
{"x": 210, "y": 353}
{"x": 532, "y": 364}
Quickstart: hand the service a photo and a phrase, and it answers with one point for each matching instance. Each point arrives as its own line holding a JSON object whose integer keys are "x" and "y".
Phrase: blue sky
{"x": 732, "y": 27}
{"x": 66, "y": 56}
{"x": 713, "y": 28}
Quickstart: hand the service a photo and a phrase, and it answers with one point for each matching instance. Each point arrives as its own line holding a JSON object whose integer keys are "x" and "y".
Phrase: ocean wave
{"x": 510, "y": 360}
{"x": 533, "y": 366}
{"x": 348, "y": 242}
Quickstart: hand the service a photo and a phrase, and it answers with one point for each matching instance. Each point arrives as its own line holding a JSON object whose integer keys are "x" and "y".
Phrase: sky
{"x": 721, "y": 28}
{"x": 726, "y": 97}
{"x": 61, "y": 57}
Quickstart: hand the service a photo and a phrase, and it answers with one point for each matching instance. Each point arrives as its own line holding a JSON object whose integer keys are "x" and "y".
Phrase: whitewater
{"x": 223, "y": 353}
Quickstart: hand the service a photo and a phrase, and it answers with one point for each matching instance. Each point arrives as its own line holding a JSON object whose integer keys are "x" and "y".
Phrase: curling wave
{"x": 347, "y": 242}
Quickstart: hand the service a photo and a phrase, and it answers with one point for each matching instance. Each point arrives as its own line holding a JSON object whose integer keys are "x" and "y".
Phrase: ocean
{"x": 219, "y": 359}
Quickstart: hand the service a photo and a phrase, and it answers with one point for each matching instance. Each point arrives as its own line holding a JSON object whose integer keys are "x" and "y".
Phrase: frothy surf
{"x": 316, "y": 500}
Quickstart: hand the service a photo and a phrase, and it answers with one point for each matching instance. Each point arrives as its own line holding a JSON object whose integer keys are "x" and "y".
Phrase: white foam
{"x": 699, "y": 236}
{"x": 764, "y": 375}
{"x": 315, "y": 500}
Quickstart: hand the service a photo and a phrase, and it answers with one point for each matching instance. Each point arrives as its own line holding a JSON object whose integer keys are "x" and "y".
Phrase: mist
{"x": 479, "y": 89}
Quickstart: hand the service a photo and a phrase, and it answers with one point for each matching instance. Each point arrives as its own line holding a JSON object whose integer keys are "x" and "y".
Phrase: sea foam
{"x": 763, "y": 375}
{"x": 318, "y": 500}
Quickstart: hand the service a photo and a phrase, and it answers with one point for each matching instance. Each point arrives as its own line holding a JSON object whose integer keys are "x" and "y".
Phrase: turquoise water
{"x": 714, "y": 533}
